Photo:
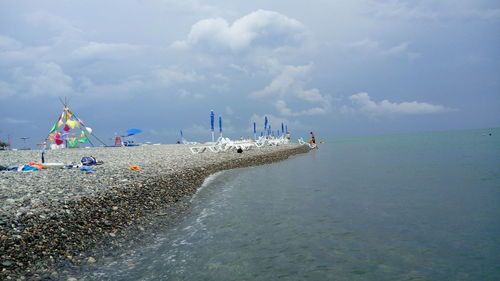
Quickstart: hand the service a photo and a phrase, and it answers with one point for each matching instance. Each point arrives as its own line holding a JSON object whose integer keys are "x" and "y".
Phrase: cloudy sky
{"x": 340, "y": 68}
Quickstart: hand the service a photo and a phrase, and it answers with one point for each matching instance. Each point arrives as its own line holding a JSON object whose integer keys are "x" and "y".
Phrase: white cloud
{"x": 45, "y": 79}
{"x": 260, "y": 28}
{"x": 397, "y": 50}
{"x": 13, "y": 52}
{"x": 14, "y": 121}
{"x": 283, "y": 109}
{"x": 363, "y": 103}
{"x": 238, "y": 68}
{"x": 96, "y": 50}
{"x": 286, "y": 80}
{"x": 377, "y": 49}
{"x": 274, "y": 121}
{"x": 65, "y": 30}
{"x": 400, "y": 9}
{"x": 430, "y": 10}
{"x": 51, "y": 20}
{"x": 174, "y": 74}
{"x": 312, "y": 96}
{"x": 289, "y": 86}
{"x": 365, "y": 43}
{"x": 127, "y": 88}
{"x": 191, "y": 7}
{"x": 7, "y": 43}
{"x": 185, "y": 94}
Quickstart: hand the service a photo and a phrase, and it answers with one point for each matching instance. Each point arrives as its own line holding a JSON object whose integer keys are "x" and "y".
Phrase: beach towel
{"x": 85, "y": 169}
{"x": 29, "y": 168}
{"x": 36, "y": 165}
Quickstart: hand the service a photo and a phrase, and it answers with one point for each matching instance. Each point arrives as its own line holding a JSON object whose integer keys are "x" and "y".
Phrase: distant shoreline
{"x": 52, "y": 216}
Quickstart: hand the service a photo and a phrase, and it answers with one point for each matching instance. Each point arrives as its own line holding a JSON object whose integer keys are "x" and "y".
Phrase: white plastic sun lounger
{"x": 311, "y": 145}
{"x": 198, "y": 149}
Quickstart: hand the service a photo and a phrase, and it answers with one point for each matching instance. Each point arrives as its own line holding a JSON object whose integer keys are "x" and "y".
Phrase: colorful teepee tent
{"x": 69, "y": 130}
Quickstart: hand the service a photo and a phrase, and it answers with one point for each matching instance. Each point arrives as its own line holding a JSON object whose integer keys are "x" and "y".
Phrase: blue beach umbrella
{"x": 282, "y": 128}
{"x": 212, "y": 121}
{"x": 220, "y": 125}
{"x": 265, "y": 123}
{"x": 286, "y": 129}
{"x": 131, "y": 132}
{"x": 254, "y": 131}
{"x": 182, "y": 135}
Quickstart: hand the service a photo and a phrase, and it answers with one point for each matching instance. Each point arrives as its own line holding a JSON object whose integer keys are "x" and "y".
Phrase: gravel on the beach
{"x": 54, "y": 215}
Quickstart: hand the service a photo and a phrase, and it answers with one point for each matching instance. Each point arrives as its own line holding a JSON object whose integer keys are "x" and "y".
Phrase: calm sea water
{"x": 398, "y": 207}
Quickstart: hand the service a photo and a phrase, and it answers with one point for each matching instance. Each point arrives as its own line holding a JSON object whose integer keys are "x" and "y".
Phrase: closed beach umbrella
{"x": 282, "y": 128}
{"x": 254, "y": 131}
{"x": 182, "y": 135}
{"x": 265, "y": 123}
{"x": 212, "y": 121}
{"x": 220, "y": 125}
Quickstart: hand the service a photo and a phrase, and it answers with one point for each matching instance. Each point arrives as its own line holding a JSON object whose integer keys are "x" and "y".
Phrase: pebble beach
{"x": 52, "y": 216}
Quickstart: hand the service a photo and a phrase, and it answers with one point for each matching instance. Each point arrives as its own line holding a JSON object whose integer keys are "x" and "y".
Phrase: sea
{"x": 420, "y": 206}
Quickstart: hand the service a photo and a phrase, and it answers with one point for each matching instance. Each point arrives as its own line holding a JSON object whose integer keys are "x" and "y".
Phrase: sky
{"x": 338, "y": 68}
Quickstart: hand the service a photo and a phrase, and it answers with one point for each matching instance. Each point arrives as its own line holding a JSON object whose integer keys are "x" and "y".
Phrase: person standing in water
{"x": 312, "y": 141}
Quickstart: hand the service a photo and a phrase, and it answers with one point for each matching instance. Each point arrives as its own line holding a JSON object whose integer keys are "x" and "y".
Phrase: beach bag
{"x": 88, "y": 161}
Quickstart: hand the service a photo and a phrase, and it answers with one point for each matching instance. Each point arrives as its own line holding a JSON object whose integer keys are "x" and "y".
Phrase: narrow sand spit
{"x": 53, "y": 215}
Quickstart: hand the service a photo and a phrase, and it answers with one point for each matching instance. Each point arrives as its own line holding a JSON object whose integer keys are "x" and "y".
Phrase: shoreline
{"x": 52, "y": 217}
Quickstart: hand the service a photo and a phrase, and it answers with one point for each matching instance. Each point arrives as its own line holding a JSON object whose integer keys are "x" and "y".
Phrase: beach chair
{"x": 220, "y": 145}
{"x": 198, "y": 149}
{"x": 261, "y": 141}
{"x": 227, "y": 144}
{"x": 311, "y": 145}
{"x": 244, "y": 145}
{"x": 274, "y": 142}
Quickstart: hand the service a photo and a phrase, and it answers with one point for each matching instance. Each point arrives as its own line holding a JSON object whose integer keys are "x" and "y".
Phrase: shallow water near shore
{"x": 399, "y": 207}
